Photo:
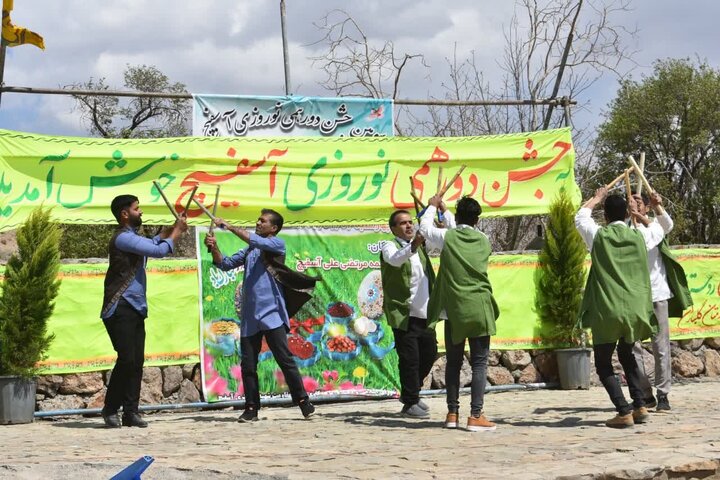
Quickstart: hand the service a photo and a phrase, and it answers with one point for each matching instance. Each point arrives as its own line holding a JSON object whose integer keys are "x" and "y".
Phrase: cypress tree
{"x": 560, "y": 275}
{"x": 29, "y": 289}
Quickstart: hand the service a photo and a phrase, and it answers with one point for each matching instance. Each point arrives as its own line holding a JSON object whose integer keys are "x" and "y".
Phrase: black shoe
{"x": 133, "y": 419}
{"x": 662, "y": 403}
{"x": 249, "y": 415}
{"x": 650, "y": 402}
{"x": 111, "y": 420}
{"x": 307, "y": 408}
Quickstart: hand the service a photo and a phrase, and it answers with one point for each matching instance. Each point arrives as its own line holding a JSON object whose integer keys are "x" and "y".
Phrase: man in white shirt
{"x": 661, "y": 293}
{"x": 407, "y": 277}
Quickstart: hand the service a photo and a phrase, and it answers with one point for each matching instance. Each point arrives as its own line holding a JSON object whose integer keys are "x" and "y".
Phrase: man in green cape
{"x": 617, "y": 304}
{"x": 462, "y": 290}
{"x": 670, "y": 296}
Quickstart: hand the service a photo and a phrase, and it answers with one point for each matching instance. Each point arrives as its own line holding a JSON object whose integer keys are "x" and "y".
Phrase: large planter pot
{"x": 574, "y": 368}
{"x": 17, "y": 400}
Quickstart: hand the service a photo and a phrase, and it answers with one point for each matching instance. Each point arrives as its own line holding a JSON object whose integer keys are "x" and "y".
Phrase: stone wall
{"x": 181, "y": 384}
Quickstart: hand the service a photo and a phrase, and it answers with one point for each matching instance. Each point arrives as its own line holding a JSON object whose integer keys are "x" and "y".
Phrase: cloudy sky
{"x": 234, "y": 47}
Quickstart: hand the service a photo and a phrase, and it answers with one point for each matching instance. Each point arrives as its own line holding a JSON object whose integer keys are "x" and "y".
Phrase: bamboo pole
{"x": 167, "y": 202}
{"x": 192, "y": 195}
{"x": 204, "y": 209}
{"x": 217, "y": 198}
{"x": 415, "y": 200}
{"x": 628, "y": 188}
{"x": 619, "y": 177}
{"x": 452, "y": 180}
{"x": 640, "y": 174}
{"x": 642, "y": 169}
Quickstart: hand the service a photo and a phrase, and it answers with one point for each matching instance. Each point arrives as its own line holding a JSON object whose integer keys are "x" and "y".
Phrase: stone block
{"x": 81, "y": 383}
{"x": 172, "y": 376}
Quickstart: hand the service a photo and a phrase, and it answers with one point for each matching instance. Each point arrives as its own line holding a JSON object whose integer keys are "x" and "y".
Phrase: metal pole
{"x": 3, "y": 48}
{"x": 286, "y": 58}
{"x": 286, "y": 401}
{"x": 182, "y": 96}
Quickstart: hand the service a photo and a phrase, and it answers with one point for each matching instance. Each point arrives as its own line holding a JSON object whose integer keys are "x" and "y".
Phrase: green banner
{"x": 81, "y": 343}
{"x": 311, "y": 181}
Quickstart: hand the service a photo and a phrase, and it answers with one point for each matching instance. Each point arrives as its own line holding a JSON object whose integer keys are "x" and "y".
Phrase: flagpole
{"x": 286, "y": 57}
{"x": 3, "y": 47}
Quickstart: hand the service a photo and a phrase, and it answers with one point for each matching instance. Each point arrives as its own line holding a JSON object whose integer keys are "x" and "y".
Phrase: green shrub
{"x": 29, "y": 288}
{"x": 560, "y": 275}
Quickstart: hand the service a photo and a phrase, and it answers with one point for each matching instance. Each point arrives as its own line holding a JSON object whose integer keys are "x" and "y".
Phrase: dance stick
{"x": 192, "y": 194}
{"x": 619, "y": 177}
{"x": 415, "y": 197}
{"x": 439, "y": 182}
{"x": 628, "y": 192}
{"x": 167, "y": 202}
{"x": 217, "y": 198}
{"x": 640, "y": 174}
{"x": 412, "y": 192}
{"x": 452, "y": 180}
{"x": 204, "y": 209}
{"x": 642, "y": 169}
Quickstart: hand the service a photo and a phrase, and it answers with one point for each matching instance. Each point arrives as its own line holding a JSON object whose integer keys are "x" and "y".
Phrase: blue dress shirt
{"x": 263, "y": 303}
{"x": 129, "y": 241}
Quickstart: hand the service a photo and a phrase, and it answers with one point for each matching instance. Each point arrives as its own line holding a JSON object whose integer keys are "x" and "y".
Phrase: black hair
{"x": 615, "y": 208}
{"x": 275, "y": 218}
{"x": 468, "y": 211}
{"x": 120, "y": 203}
{"x": 394, "y": 215}
{"x": 644, "y": 196}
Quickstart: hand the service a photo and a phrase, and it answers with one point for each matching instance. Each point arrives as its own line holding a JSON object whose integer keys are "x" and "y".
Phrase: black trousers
{"x": 417, "y": 351}
{"x": 250, "y": 349}
{"x": 603, "y": 365}
{"x": 126, "y": 328}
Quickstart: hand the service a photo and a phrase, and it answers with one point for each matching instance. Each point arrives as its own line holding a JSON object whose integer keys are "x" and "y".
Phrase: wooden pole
{"x": 619, "y": 177}
{"x": 167, "y": 202}
{"x": 417, "y": 200}
{"x": 452, "y": 180}
{"x": 628, "y": 188}
{"x": 204, "y": 209}
{"x": 439, "y": 180}
{"x": 640, "y": 174}
{"x": 642, "y": 169}
{"x": 217, "y": 199}
{"x": 192, "y": 195}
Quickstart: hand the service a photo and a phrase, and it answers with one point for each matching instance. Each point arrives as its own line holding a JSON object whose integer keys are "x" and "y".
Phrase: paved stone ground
{"x": 541, "y": 434}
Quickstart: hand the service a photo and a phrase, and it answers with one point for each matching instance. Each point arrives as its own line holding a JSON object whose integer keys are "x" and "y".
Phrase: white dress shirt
{"x": 653, "y": 235}
{"x": 419, "y": 283}
{"x": 658, "y": 276}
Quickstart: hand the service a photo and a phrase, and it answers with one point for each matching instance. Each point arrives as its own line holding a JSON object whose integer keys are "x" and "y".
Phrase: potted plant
{"x": 29, "y": 287}
{"x": 559, "y": 282}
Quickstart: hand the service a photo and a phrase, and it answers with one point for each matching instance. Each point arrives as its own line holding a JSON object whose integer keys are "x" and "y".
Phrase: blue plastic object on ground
{"x": 133, "y": 471}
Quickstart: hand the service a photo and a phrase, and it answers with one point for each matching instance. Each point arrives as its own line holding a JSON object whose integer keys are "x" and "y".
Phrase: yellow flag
{"x": 13, "y": 36}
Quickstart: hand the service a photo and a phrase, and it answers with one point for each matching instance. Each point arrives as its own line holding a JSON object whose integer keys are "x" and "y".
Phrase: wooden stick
{"x": 640, "y": 174}
{"x": 642, "y": 169}
{"x": 412, "y": 192}
{"x": 192, "y": 195}
{"x": 204, "y": 209}
{"x": 439, "y": 182}
{"x": 167, "y": 202}
{"x": 217, "y": 197}
{"x": 628, "y": 188}
{"x": 452, "y": 181}
{"x": 417, "y": 200}
{"x": 619, "y": 177}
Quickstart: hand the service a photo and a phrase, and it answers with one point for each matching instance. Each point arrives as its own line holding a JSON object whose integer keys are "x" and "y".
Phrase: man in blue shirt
{"x": 263, "y": 309}
{"x": 125, "y": 306}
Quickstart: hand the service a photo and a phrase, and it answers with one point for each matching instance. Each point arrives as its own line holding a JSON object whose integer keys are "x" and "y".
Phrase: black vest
{"x": 120, "y": 273}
